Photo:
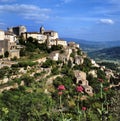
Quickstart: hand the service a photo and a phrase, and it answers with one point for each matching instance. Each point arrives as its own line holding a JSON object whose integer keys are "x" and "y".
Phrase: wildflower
{"x": 79, "y": 89}
{"x": 100, "y": 80}
{"x": 84, "y": 108}
{"x": 61, "y": 87}
{"x": 60, "y": 93}
{"x": 106, "y": 89}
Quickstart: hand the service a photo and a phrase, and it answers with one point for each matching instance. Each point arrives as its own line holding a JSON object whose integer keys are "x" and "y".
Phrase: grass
{"x": 32, "y": 56}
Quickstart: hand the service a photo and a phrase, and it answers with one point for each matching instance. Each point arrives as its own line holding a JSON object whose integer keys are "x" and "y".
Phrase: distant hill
{"x": 112, "y": 53}
{"x": 90, "y": 46}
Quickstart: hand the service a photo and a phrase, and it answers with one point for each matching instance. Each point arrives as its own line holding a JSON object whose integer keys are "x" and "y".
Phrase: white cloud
{"x": 7, "y": 0}
{"x": 30, "y": 12}
{"x": 106, "y": 21}
{"x": 1, "y": 23}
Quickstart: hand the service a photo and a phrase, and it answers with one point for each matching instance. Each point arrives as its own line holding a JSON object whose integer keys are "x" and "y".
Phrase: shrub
{"x": 55, "y": 71}
{"x": 1, "y": 56}
{"x": 26, "y": 63}
{"x": 48, "y": 63}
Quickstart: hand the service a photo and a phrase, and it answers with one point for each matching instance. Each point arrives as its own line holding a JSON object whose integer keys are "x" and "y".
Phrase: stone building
{"x": 81, "y": 80}
{"x": 52, "y": 34}
{"x": 61, "y": 42}
{"x": 2, "y": 51}
{"x": 8, "y": 43}
{"x": 73, "y": 44}
{"x": 78, "y": 60}
{"x": 41, "y": 35}
{"x": 10, "y": 36}
{"x": 54, "y": 56}
{"x": 18, "y": 30}
{"x": 35, "y": 35}
{"x": 2, "y": 35}
{"x": 93, "y": 73}
{"x": 11, "y": 47}
{"x": 48, "y": 36}
{"x": 42, "y": 30}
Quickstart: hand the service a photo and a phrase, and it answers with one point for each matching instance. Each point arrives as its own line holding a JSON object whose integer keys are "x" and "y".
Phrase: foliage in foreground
{"x": 63, "y": 104}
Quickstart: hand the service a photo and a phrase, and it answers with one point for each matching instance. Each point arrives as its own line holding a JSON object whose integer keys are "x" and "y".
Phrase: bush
{"x": 15, "y": 65}
{"x": 13, "y": 59}
{"x": 1, "y": 56}
{"x": 55, "y": 71}
{"x": 72, "y": 55}
{"x": 6, "y": 54}
{"x": 101, "y": 74}
{"x": 56, "y": 47}
{"x": 22, "y": 52}
{"x": 26, "y": 63}
{"x": 48, "y": 63}
{"x": 27, "y": 80}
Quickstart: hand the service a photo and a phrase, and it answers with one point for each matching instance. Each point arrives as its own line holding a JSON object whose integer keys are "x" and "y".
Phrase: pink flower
{"x": 79, "y": 89}
{"x": 61, "y": 87}
{"x": 106, "y": 89}
{"x": 60, "y": 93}
{"x": 100, "y": 80}
{"x": 84, "y": 108}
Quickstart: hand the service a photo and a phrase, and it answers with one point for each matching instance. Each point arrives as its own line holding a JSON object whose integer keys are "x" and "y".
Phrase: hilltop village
{"x": 9, "y": 39}
{"x": 41, "y": 61}
{"x": 9, "y": 42}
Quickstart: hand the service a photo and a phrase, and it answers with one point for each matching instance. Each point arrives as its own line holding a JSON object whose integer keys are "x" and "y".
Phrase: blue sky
{"x": 97, "y": 20}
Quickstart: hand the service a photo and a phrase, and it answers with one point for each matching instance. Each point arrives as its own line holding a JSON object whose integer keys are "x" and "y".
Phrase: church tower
{"x": 42, "y": 30}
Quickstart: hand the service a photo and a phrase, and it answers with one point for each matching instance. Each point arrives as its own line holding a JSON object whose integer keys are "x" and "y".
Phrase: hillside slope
{"x": 107, "y": 53}
{"x": 63, "y": 85}
{"x": 90, "y": 46}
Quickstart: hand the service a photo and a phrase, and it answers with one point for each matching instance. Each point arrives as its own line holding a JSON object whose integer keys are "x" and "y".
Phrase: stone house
{"x": 10, "y": 36}
{"x": 8, "y": 43}
{"x": 88, "y": 89}
{"x": 61, "y": 42}
{"x": 73, "y": 44}
{"x": 78, "y": 60}
{"x": 6, "y": 62}
{"x": 18, "y": 30}
{"x": 14, "y": 53}
{"x": 42, "y": 35}
{"x": 93, "y": 73}
{"x": 54, "y": 55}
{"x": 48, "y": 36}
{"x": 63, "y": 57}
{"x": 2, "y": 35}
{"x": 81, "y": 80}
{"x": 94, "y": 64}
{"x": 1, "y": 51}
{"x": 80, "y": 77}
{"x": 35, "y": 35}
{"x": 66, "y": 55}
{"x": 109, "y": 74}
{"x": 56, "y": 42}
{"x": 52, "y": 34}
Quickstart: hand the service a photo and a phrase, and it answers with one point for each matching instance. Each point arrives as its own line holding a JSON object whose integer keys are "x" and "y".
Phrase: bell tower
{"x": 42, "y": 30}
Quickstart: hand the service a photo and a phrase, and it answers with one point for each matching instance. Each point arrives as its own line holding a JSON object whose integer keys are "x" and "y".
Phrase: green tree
{"x": 28, "y": 80}
{"x": 55, "y": 70}
{"x": 21, "y": 41}
{"x": 6, "y": 54}
{"x": 101, "y": 74}
{"x": 1, "y": 56}
{"x": 48, "y": 63}
{"x": 22, "y": 52}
